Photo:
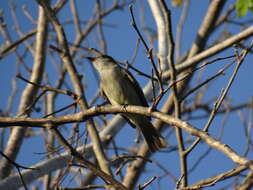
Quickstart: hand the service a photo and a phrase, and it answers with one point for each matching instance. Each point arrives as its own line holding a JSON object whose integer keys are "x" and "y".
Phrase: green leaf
{"x": 242, "y": 7}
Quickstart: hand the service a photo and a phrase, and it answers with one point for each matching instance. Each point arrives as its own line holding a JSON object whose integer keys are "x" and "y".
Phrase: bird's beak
{"x": 91, "y": 58}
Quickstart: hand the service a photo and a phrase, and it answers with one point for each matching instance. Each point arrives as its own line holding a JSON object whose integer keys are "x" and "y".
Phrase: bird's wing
{"x": 128, "y": 121}
{"x": 104, "y": 95}
{"x": 122, "y": 115}
{"x": 136, "y": 86}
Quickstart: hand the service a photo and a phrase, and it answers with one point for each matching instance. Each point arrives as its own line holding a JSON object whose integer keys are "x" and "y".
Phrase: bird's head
{"x": 102, "y": 62}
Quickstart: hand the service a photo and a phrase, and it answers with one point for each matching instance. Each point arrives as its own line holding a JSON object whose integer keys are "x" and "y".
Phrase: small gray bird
{"x": 120, "y": 88}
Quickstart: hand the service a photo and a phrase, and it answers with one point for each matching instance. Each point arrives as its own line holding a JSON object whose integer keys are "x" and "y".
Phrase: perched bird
{"x": 120, "y": 88}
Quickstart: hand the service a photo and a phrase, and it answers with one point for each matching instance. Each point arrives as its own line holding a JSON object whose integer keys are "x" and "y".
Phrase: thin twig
{"x": 180, "y": 28}
{"x": 86, "y": 163}
{"x": 175, "y": 94}
{"x": 220, "y": 72}
{"x": 10, "y": 47}
{"x": 149, "y": 53}
{"x": 46, "y": 88}
{"x": 222, "y": 97}
{"x": 102, "y": 41}
{"x": 141, "y": 187}
{"x": 77, "y": 84}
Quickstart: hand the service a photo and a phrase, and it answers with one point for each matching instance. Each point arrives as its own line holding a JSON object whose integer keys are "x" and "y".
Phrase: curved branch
{"x": 94, "y": 111}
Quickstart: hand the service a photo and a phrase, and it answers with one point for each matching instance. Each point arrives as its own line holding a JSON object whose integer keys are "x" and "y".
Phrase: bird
{"x": 120, "y": 88}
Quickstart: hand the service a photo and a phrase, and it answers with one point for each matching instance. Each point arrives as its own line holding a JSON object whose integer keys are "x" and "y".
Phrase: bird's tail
{"x": 154, "y": 140}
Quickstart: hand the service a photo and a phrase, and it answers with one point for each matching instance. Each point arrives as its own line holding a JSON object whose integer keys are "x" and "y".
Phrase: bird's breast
{"x": 112, "y": 84}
